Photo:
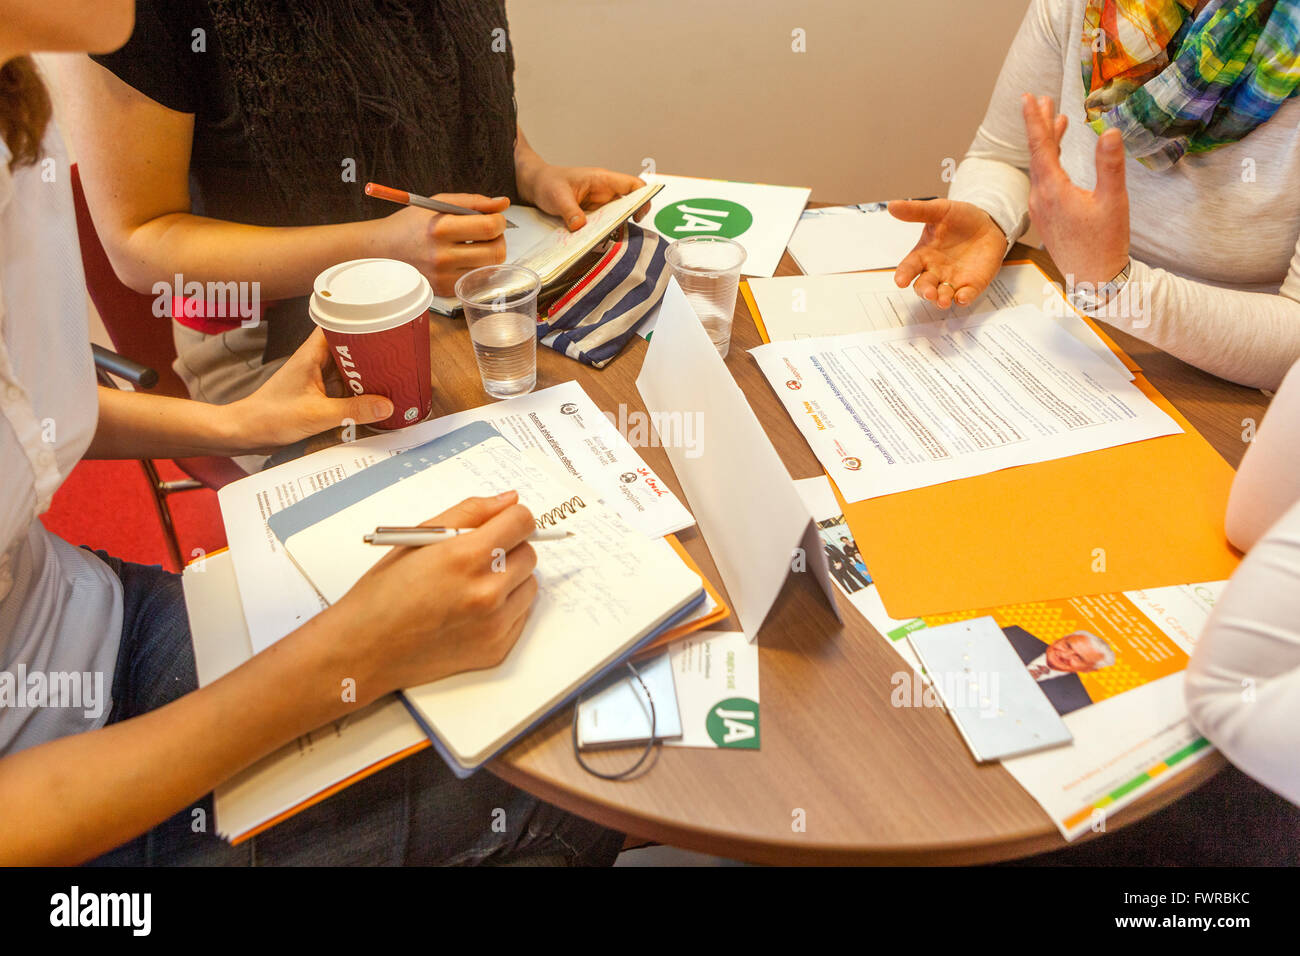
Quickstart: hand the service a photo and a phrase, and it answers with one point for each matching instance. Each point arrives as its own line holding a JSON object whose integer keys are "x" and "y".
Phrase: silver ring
{"x": 949, "y": 285}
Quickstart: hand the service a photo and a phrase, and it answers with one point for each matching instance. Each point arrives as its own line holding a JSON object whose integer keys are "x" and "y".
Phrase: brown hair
{"x": 25, "y": 110}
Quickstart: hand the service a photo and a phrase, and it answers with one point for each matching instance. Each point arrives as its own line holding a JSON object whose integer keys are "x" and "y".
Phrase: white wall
{"x": 885, "y": 92}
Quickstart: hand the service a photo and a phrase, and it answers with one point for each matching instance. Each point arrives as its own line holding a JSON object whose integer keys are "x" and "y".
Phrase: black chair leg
{"x": 157, "y": 490}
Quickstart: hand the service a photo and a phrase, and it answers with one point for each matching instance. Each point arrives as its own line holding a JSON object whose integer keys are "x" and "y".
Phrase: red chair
{"x": 136, "y": 332}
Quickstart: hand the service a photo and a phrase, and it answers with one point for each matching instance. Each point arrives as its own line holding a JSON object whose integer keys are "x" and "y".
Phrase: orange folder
{"x": 1142, "y": 515}
{"x": 719, "y": 612}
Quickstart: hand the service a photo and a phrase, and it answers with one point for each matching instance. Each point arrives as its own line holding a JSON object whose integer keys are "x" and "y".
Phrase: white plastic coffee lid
{"x": 368, "y": 295}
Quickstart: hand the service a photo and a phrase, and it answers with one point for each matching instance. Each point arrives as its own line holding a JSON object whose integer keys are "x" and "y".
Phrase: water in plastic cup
{"x": 500, "y": 305}
{"x": 708, "y": 270}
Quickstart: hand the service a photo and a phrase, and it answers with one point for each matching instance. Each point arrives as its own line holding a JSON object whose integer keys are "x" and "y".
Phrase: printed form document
{"x": 920, "y": 405}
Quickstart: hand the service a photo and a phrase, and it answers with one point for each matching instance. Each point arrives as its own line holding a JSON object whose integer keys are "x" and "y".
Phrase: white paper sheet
{"x": 851, "y": 238}
{"x": 905, "y": 408}
{"x": 734, "y": 473}
{"x": 806, "y": 307}
{"x": 305, "y": 767}
{"x": 716, "y": 207}
{"x": 716, "y": 675}
{"x": 561, "y": 421}
{"x": 1123, "y": 749}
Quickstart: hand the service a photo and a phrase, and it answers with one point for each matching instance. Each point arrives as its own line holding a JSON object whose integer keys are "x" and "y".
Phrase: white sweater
{"x": 1214, "y": 239}
{"x": 1243, "y": 683}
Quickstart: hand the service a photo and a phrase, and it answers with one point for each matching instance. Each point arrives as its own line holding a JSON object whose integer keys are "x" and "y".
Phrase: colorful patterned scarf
{"x": 1173, "y": 83}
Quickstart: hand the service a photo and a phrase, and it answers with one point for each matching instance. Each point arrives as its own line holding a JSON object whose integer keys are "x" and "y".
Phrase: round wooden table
{"x": 871, "y": 783}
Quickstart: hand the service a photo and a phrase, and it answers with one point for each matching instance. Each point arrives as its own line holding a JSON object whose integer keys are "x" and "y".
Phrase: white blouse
{"x": 1243, "y": 683}
{"x": 1214, "y": 239}
{"x": 60, "y": 606}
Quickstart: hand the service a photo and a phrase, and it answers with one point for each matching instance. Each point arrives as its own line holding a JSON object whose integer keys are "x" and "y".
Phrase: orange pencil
{"x": 424, "y": 202}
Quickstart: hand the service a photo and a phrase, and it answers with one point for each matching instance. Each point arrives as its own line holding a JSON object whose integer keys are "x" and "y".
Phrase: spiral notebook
{"x": 603, "y": 591}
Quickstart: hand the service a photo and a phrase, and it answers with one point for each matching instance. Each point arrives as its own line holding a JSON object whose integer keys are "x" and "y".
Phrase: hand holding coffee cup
{"x": 375, "y": 316}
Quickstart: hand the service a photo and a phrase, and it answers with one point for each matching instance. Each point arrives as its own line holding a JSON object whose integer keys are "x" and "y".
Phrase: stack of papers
{"x": 904, "y": 408}
{"x": 810, "y": 307}
{"x": 851, "y": 239}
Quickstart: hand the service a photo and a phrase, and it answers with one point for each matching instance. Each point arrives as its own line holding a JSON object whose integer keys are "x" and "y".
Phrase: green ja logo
{"x": 703, "y": 217}
{"x": 734, "y": 723}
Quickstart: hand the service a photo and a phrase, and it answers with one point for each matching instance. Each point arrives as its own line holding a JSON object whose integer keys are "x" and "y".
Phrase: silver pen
{"x": 419, "y": 536}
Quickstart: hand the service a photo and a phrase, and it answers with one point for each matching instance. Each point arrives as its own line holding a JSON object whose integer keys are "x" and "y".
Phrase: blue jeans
{"x": 414, "y": 812}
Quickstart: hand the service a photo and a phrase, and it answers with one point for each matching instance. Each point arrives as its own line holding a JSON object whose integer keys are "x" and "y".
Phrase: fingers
{"x": 1110, "y": 165}
{"x": 944, "y": 291}
{"x": 619, "y": 184}
{"x": 463, "y": 256}
{"x": 476, "y": 202}
{"x": 315, "y": 350}
{"x": 913, "y": 265}
{"x": 969, "y": 292}
{"x": 1040, "y": 128}
{"x": 516, "y": 566}
{"x": 919, "y": 210}
{"x": 566, "y": 206}
{"x": 506, "y": 529}
{"x": 362, "y": 409}
{"x": 472, "y": 512}
{"x": 446, "y": 227}
{"x": 329, "y": 411}
{"x": 452, "y": 261}
{"x": 927, "y": 286}
{"x": 640, "y": 213}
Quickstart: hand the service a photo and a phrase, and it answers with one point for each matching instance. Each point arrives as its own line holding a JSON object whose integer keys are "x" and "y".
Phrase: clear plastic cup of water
{"x": 708, "y": 270}
{"x": 500, "y": 305}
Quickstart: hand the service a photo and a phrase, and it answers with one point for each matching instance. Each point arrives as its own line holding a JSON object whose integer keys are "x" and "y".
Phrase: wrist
{"x": 1089, "y": 295}
{"x": 378, "y": 238}
{"x": 528, "y": 166}
{"x": 241, "y": 430}
{"x": 336, "y": 644}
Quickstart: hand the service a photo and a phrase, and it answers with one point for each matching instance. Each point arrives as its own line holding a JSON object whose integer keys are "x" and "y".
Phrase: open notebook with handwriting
{"x": 604, "y": 591}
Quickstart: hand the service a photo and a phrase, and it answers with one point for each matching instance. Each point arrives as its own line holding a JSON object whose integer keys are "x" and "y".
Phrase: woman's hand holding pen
{"x": 421, "y": 614}
{"x": 444, "y": 247}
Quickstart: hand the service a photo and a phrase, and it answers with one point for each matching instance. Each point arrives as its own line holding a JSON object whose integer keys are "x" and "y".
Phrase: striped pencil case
{"x": 594, "y": 319}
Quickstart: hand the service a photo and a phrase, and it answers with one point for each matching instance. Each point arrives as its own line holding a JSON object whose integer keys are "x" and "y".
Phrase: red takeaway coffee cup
{"x": 375, "y": 314}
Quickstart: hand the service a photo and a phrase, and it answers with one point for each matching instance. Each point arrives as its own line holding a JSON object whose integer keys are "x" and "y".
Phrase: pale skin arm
{"x": 289, "y": 406}
{"x": 77, "y": 797}
{"x": 142, "y": 206}
{"x": 80, "y": 796}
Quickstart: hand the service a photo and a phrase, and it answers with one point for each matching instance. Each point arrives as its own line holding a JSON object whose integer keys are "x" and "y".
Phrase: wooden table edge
{"x": 807, "y": 852}
{"x": 801, "y": 850}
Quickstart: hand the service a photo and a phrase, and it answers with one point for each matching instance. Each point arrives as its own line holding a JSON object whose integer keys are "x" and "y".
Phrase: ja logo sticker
{"x": 703, "y": 217}
{"x": 734, "y": 723}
